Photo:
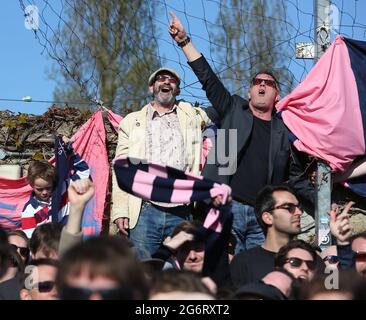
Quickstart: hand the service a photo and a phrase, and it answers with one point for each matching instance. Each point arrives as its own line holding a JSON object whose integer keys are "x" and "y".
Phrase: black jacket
{"x": 234, "y": 113}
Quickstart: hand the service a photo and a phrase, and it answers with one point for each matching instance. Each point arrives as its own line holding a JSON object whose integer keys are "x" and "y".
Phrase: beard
{"x": 164, "y": 99}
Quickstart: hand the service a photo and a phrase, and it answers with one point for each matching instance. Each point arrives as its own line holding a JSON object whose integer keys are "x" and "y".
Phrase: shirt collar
{"x": 152, "y": 113}
{"x": 36, "y": 203}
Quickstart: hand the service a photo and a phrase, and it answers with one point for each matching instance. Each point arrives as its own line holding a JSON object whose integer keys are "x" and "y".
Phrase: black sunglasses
{"x": 162, "y": 78}
{"x": 76, "y": 293}
{"x": 24, "y": 251}
{"x": 45, "y": 286}
{"x": 360, "y": 256}
{"x": 331, "y": 259}
{"x": 297, "y": 262}
{"x": 267, "y": 82}
{"x": 290, "y": 207}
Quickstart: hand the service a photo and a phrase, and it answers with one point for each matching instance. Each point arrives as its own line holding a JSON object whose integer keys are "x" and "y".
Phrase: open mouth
{"x": 165, "y": 89}
{"x": 261, "y": 92}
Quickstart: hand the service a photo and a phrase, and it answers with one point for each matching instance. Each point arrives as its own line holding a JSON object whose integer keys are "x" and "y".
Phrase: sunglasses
{"x": 290, "y": 207}
{"x": 331, "y": 259}
{"x": 76, "y": 293}
{"x": 24, "y": 251}
{"x": 45, "y": 286}
{"x": 162, "y": 78}
{"x": 297, "y": 262}
{"x": 360, "y": 256}
{"x": 267, "y": 82}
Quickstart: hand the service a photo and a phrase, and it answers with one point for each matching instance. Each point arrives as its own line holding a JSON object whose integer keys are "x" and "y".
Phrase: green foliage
{"x": 105, "y": 50}
{"x": 251, "y": 36}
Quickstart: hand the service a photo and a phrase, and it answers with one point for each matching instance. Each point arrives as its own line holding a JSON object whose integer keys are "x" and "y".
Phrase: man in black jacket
{"x": 257, "y": 141}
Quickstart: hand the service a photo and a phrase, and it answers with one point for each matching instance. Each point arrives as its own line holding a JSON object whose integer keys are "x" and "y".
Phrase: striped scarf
{"x": 156, "y": 182}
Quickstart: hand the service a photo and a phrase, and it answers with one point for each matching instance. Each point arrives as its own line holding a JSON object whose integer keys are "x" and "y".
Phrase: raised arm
{"x": 179, "y": 34}
{"x": 356, "y": 170}
{"x": 216, "y": 92}
{"x": 79, "y": 193}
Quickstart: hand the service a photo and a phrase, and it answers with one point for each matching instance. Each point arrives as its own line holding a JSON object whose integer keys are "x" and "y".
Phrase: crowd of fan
{"x": 56, "y": 264}
{"x": 158, "y": 253}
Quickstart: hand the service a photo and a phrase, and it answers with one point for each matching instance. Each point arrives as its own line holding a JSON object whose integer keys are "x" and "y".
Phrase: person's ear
{"x": 267, "y": 218}
{"x": 278, "y": 98}
{"x": 24, "y": 294}
{"x": 249, "y": 97}
{"x": 151, "y": 89}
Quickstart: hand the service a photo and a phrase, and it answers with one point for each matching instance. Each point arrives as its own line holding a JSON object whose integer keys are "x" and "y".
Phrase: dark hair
{"x": 11, "y": 258}
{"x": 21, "y": 234}
{"x": 265, "y": 202}
{"x": 281, "y": 255}
{"x": 178, "y": 280}
{"x": 187, "y": 226}
{"x": 108, "y": 256}
{"x": 7, "y": 258}
{"x": 270, "y": 73}
{"x": 41, "y": 169}
{"x": 46, "y": 237}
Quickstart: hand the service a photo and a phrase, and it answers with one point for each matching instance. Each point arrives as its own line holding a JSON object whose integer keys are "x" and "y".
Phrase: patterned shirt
{"x": 164, "y": 141}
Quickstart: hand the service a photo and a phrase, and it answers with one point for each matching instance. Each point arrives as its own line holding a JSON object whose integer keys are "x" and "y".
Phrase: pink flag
{"x": 14, "y": 193}
{"x": 114, "y": 119}
{"x": 324, "y": 113}
{"x": 89, "y": 143}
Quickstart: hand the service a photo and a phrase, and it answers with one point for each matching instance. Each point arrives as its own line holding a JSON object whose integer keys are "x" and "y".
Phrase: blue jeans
{"x": 154, "y": 225}
{"x": 246, "y": 229}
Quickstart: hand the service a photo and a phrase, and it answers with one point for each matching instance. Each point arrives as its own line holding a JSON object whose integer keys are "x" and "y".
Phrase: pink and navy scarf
{"x": 155, "y": 182}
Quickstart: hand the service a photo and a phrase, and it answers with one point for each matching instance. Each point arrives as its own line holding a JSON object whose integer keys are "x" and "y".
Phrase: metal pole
{"x": 323, "y": 177}
{"x": 321, "y": 27}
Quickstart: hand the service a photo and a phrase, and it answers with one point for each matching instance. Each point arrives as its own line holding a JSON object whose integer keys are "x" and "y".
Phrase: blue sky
{"x": 23, "y": 63}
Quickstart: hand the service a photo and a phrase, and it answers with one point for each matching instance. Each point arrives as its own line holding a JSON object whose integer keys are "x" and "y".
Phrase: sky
{"x": 24, "y": 63}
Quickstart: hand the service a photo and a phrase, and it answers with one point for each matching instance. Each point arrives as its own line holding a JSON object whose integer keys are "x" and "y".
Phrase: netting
{"x": 108, "y": 48}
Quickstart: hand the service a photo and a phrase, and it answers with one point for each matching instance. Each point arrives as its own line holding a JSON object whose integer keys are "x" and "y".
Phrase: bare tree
{"x": 249, "y": 38}
{"x": 104, "y": 49}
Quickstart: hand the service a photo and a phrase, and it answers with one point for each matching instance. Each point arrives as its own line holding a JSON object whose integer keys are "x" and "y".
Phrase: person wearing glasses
{"x": 340, "y": 255}
{"x": 101, "y": 268}
{"x": 39, "y": 282}
{"x": 262, "y": 147}
{"x": 19, "y": 240}
{"x": 358, "y": 244}
{"x": 298, "y": 258}
{"x": 330, "y": 257}
{"x": 165, "y": 131}
{"x": 278, "y": 213}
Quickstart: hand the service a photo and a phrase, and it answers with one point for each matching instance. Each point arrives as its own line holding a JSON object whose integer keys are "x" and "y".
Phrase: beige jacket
{"x": 131, "y": 142}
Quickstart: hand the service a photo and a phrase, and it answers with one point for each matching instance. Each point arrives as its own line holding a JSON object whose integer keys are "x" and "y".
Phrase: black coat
{"x": 233, "y": 113}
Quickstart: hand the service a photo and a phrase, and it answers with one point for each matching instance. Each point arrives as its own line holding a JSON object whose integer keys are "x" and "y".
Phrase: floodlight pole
{"x": 323, "y": 173}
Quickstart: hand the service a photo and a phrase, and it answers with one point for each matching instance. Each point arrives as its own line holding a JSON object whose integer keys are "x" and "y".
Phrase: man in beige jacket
{"x": 168, "y": 132}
